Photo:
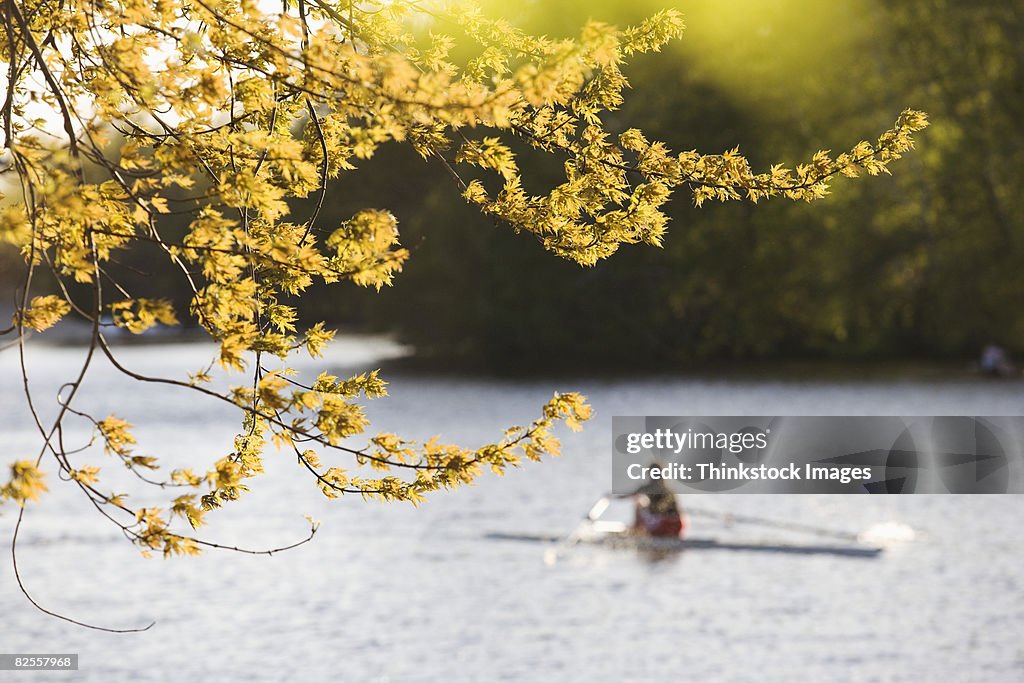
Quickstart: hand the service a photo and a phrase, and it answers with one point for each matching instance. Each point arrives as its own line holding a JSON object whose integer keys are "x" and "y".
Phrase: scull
{"x": 618, "y": 537}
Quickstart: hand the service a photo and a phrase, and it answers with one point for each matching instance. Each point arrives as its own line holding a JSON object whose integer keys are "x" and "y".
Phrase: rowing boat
{"x": 624, "y": 540}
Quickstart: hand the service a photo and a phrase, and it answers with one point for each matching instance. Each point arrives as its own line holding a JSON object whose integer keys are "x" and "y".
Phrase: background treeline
{"x": 928, "y": 263}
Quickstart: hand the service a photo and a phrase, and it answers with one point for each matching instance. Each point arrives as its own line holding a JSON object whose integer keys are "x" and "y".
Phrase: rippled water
{"x": 395, "y": 594}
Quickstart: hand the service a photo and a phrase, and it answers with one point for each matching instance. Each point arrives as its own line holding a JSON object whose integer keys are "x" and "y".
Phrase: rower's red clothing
{"x": 657, "y": 512}
{"x": 666, "y": 525}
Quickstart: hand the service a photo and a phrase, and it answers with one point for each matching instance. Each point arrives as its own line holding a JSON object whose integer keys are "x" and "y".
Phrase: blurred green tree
{"x": 925, "y": 265}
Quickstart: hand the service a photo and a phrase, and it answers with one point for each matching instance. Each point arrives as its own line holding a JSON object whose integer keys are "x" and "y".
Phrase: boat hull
{"x": 628, "y": 541}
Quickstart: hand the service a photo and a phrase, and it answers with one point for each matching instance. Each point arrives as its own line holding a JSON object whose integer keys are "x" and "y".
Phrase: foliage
{"x": 923, "y": 265}
{"x": 228, "y": 112}
{"x": 957, "y": 275}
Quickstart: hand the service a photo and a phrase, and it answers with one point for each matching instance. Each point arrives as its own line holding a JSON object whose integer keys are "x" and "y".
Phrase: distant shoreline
{"x": 71, "y": 333}
{"x": 790, "y": 369}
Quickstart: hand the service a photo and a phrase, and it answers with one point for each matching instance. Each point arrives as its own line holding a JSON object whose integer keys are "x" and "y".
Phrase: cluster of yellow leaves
{"x": 42, "y": 313}
{"x": 77, "y": 225}
{"x": 228, "y": 474}
{"x": 185, "y": 507}
{"x": 26, "y": 483}
{"x": 151, "y": 533}
{"x": 445, "y": 466}
{"x": 363, "y": 248}
{"x": 116, "y": 434}
{"x": 87, "y": 475}
{"x": 118, "y": 440}
{"x": 598, "y": 208}
{"x": 138, "y": 315}
{"x": 369, "y": 384}
{"x": 15, "y": 228}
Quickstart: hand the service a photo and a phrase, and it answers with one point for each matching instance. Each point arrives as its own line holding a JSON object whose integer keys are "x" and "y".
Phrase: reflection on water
{"x": 393, "y": 593}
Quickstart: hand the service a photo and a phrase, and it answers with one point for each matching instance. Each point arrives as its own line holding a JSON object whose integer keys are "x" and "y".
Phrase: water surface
{"x": 391, "y": 593}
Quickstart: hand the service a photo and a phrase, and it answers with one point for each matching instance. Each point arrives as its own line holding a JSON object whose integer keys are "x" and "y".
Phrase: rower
{"x": 656, "y": 511}
{"x": 995, "y": 362}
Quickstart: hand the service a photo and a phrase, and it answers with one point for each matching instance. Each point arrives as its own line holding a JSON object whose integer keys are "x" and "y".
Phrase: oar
{"x": 551, "y": 554}
{"x": 730, "y": 518}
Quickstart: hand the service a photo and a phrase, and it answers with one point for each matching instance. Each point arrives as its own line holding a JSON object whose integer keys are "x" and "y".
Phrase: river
{"x": 393, "y": 593}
